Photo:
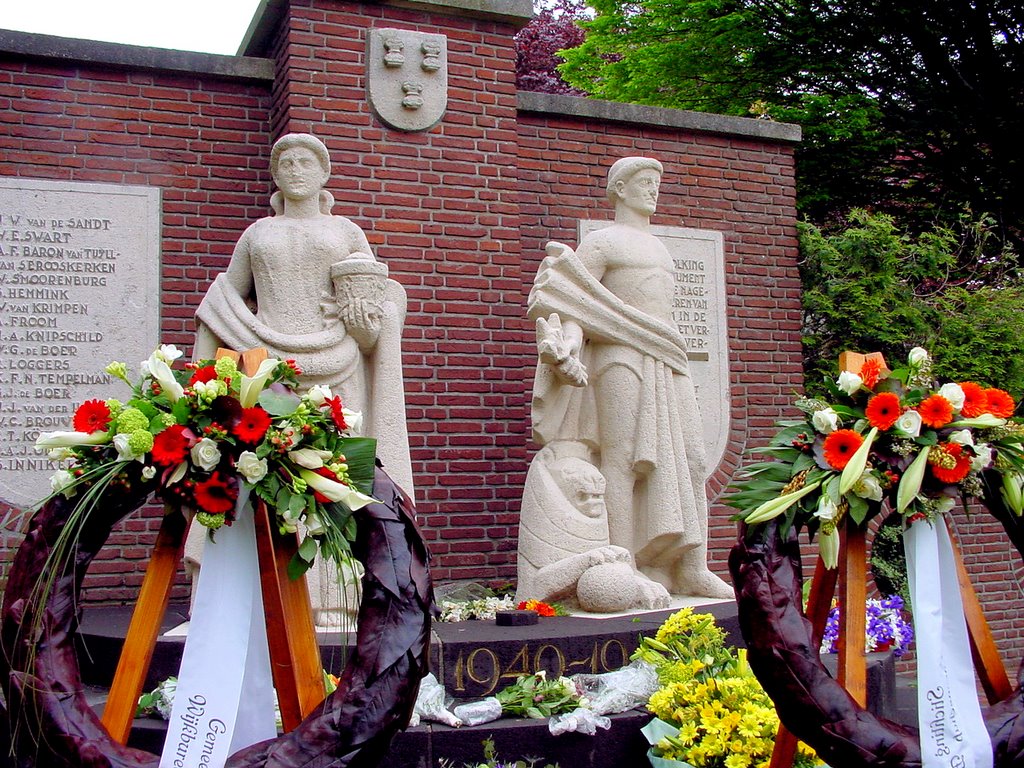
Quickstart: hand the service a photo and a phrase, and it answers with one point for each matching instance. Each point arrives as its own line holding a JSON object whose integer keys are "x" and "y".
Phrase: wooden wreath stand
{"x": 294, "y": 653}
{"x": 851, "y": 577}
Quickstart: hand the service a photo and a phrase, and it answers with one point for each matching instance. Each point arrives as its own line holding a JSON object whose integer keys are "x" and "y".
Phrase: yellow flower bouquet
{"x": 711, "y": 712}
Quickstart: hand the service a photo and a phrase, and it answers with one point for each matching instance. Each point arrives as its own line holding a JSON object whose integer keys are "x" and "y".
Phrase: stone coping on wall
{"x": 67, "y": 49}
{"x": 259, "y": 37}
{"x": 637, "y": 114}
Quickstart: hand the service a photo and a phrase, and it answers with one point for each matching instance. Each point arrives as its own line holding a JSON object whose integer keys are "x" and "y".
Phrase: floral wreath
{"x": 200, "y": 431}
{"x": 891, "y": 436}
{"x": 192, "y": 435}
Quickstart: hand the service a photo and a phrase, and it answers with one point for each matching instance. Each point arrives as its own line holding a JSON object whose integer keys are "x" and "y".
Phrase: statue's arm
{"x": 363, "y": 319}
{"x": 559, "y": 579}
{"x": 239, "y": 277}
{"x": 239, "y": 271}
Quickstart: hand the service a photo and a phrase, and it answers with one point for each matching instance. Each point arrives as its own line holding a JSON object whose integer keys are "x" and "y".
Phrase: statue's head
{"x": 634, "y": 181}
{"x": 304, "y": 140}
{"x": 582, "y": 483}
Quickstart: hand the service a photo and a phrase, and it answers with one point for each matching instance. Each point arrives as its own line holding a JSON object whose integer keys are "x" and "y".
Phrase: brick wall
{"x": 201, "y": 139}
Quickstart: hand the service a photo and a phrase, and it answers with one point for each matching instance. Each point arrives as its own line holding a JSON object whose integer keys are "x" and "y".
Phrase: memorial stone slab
{"x": 79, "y": 287}
{"x": 699, "y": 309}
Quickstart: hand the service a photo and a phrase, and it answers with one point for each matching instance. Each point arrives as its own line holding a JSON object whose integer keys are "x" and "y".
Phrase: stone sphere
{"x": 607, "y": 588}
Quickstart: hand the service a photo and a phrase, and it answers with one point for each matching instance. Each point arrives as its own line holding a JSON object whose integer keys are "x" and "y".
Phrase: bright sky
{"x": 212, "y": 26}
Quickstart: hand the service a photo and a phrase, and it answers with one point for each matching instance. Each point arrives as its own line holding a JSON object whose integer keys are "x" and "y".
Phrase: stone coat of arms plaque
{"x": 407, "y": 78}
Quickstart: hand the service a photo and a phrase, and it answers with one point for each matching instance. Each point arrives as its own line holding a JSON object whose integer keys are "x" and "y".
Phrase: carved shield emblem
{"x": 407, "y": 78}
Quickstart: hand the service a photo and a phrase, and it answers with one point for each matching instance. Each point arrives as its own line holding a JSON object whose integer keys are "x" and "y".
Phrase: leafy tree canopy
{"x": 913, "y": 107}
{"x": 871, "y": 287}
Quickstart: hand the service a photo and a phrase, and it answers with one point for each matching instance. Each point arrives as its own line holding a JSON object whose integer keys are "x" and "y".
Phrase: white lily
{"x": 911, "y": 481}
{"x": 161, "y": 372}
{"x": 335, "y": 491}
{"x": 828, "y": 546}
{"x": 855, "y": 466}
{"x": 985, "y": 420}
{"x": 310, "y": 458}
{"x": 48, "y": 440}
{"x": 1013, "y": 493}
{"x": 251, "y": 386}
{"x": 775, "y": 507}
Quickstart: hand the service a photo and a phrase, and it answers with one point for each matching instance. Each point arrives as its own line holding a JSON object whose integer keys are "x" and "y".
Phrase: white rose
{"x": 982, "y": 457}
{"x": 909, "y": 423}
{"x": 354, "y": 420}
{"x": 60, "y": 481}
{"x": 827, "y": 510}
{"x": 918, "y": 356}
{"x": 962, "y": 437}
{"x": 849, "y": 382}
{"x": 868, "y": 487}
{"x": 251, "y": 467}
{"x": 944, "y": 504}
{"x": 205, "y": 454}
{"x": 319, "y": 394}
{"x": 148, "y": 473}
{"x": 825, "y": 420}
{"x": 314, "y": 526}
{"x": 954, "y": 394}
{"x": 124, "y": 450}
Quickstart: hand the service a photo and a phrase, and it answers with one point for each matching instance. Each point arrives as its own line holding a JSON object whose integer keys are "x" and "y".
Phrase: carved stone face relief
{"x": 407, "y": 78}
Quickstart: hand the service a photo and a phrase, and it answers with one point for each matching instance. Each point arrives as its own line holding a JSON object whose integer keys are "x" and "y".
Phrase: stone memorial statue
{"x": 564, "y": 554}
{"x": 304, "y": 284}
{"x": 613, "y": 376}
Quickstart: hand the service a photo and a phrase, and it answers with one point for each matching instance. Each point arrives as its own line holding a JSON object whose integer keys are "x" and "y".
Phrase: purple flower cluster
{"x": 886, "y": 627}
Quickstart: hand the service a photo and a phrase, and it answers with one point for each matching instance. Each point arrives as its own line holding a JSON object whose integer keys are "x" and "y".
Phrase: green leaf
{"x": 284, "y": 499}
{"x": 297, "y": 566}
{"x": 279, "y": 403}
{"x": 360, "y": 454}
{"x": 308, "y": 549}
{"x": 858, "y": 508}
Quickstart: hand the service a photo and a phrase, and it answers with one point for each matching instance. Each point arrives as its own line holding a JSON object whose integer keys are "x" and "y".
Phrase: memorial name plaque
{"x": 699, "y": 311}
{"x": 79, "y": 287}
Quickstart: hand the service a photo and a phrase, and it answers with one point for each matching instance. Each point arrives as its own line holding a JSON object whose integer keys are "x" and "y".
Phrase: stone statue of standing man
{"x": 613, "y": 377}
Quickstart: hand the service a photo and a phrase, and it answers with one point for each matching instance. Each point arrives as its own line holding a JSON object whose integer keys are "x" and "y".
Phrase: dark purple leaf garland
{"x": 53, "y": 726}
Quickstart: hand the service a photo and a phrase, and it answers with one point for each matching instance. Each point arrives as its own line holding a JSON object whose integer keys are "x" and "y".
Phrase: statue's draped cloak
{"x": 331, "y": 357}
{"x": 551, "y": 529}
{"x": 668, "y": 445}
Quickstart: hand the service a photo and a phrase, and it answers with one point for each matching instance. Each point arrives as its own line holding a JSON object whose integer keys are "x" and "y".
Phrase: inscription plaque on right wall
{"x": 699, "y": 311}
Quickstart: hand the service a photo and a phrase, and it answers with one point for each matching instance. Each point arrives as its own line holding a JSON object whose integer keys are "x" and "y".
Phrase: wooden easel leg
{"x": 140, "y": 641}
{"x": 986, "y": 657}
{"x": 853, "y": 595}
{"x": 819, "y": 603}
{"x": 291, "y": 636}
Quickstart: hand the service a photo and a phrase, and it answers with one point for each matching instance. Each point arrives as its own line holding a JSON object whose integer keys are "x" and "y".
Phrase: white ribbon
{"x": 225, "y": 696}
{"x": 953, "y": 734}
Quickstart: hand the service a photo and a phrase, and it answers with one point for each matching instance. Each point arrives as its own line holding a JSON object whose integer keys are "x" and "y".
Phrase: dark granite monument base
{"x": 473, "y": 659}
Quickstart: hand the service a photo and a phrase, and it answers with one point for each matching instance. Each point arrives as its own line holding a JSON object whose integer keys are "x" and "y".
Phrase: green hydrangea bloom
{"x": 131, "y": 420}
{"x": 166, "y": 420}
{"x": 140, "y": 441}
{"x": 210, "y": 520}
{"x": 226, "y": 368}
